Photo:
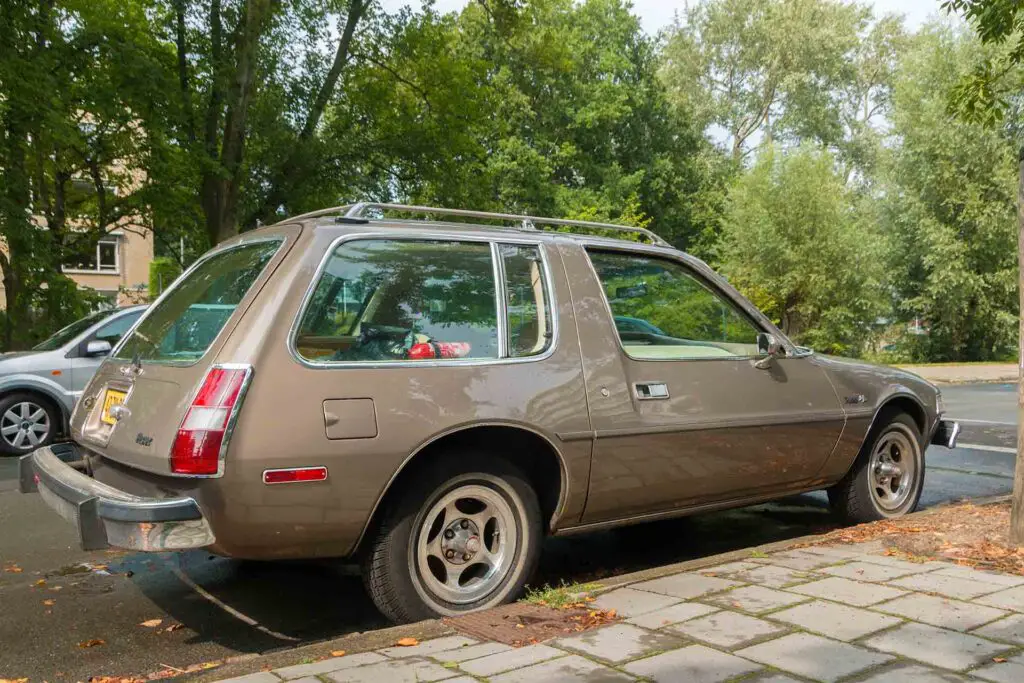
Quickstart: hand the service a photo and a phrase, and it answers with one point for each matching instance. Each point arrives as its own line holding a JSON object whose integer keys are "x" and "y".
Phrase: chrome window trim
{"x": 282, "y": 239}
{"x": 499, "y": 300}
{"x": 422, "y": 236}
{"x": 706, "y": 282}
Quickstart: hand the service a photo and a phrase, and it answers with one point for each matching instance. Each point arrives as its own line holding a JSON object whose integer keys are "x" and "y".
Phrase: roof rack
{"x": 523, "y": 223}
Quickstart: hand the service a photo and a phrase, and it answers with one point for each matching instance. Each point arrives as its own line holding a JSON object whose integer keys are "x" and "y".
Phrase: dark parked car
{"x": 432, "y": 398}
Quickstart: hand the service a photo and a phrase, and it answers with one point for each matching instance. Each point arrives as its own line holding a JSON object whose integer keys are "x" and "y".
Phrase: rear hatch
{"x": 132, "y": 408}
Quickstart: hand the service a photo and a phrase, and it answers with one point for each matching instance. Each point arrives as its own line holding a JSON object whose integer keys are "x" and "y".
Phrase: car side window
{"x": 527, "y": 305}
{"x": 402, "y": 300}
{"x": 662, "y": 312}
{"x": 115, "y": 329}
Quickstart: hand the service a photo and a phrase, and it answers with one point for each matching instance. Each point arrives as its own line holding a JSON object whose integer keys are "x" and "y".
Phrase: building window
{"x": 104, "y": 258}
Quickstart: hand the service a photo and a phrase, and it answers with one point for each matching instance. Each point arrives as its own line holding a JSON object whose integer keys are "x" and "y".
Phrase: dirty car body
{"x": 432, "y": 397}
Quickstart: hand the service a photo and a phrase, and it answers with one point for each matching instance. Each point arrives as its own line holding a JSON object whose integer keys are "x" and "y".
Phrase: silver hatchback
{"x": 38, "y": 388}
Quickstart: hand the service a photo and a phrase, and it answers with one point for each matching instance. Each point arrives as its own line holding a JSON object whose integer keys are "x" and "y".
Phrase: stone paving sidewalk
{"x": 822, "y": 613}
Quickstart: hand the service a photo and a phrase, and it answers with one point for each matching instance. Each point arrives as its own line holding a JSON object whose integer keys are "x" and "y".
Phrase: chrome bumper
{"x": 946, "y": 433}
{"x": 104, "y": 515}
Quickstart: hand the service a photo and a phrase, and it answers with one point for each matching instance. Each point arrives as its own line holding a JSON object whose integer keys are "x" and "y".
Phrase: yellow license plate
{"x": 112, "y": 398}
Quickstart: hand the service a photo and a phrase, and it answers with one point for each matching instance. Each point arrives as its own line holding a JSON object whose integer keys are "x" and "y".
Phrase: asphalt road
{"x": 227, "y": 608}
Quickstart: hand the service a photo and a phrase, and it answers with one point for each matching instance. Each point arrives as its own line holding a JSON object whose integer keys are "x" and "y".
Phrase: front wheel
{"x": 887, "y": 477}
{"x": 26, "y": 423}
{"x": 463, "y": 535}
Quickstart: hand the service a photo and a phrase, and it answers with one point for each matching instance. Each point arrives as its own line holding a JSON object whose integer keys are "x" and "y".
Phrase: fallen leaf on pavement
{"x": 152, "y": 623}
{"x": 173, "y": 627}
{"x": 92, "y": 643}
{"x": 13, "y": 680}
{"x": 407, "y": 642}
{"x": 41, "y": 582}
{"x": 338, "y": 653}
{"x": 55, "y": 588}
{"x": 999, "y": 660}
{"x": 49, "y": 603}
{"x": 12, "y": 569}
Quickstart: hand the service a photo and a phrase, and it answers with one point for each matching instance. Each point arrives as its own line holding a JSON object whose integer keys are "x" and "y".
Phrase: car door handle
{"x": 649, "y": 391}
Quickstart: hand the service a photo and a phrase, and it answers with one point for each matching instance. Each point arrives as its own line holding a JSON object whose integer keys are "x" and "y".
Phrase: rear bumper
{"x": 106, "y": 516}
{"x": 946, "y": 433}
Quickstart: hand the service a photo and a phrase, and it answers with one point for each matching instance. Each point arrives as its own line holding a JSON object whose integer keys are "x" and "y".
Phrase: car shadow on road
{"x": 250, "y": 606}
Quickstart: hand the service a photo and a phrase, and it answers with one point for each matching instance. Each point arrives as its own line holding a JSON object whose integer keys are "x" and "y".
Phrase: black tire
{"x": 858, "y": 497}
{"x": 52, "y": 417}
{"x": 391, "y": 570}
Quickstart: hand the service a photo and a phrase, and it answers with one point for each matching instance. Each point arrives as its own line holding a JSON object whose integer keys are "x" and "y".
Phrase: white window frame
{"x": 110, "y": 238}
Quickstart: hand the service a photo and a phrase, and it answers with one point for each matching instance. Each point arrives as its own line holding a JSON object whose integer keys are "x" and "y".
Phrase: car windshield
{"x": 66, "y": 334}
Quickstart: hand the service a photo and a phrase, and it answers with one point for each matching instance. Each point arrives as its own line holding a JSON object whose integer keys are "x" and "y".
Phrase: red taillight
{"x": 200, "y": 438}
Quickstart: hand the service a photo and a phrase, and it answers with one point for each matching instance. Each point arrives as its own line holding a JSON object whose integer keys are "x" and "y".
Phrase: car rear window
{"x": 402, "y": 300}
{"x": 185, "y": 323}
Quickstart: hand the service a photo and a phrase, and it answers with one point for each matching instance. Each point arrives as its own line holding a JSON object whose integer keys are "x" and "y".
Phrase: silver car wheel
{"x": 466, "y": 544}
{"x": 893, "y": 469}
{"x": 25, "y": 425}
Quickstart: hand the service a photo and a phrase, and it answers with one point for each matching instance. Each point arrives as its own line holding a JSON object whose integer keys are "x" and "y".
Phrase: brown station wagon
{"x": 432, "y": 398}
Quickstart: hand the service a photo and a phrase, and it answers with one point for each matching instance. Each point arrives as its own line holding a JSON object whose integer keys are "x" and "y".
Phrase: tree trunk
{"x": 1017, "y": 512}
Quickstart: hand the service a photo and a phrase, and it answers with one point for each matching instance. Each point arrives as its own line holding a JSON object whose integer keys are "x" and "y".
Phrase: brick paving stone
{"x": 571, "y": 669}
{"x": 913, "y": 673}
{"x": 406, "y": 670}
{"x": 464, "y": 654}
{"x": 513, "y": 659}
{"x": 755, "y": 599}
{"x": 1011, "y": 598}
{"x": 950, "y": 586}
{"x": 727, "y": 629}
{"x": 848, "y": 592}
{"x": 896, "y": 563}
{"x": 686, "y": 586}
{"x": 936, "y": 646}
{"x": 692, "y": 664}
{"x": 429, "y": 647}
{"x": 941, "y": 612}
{"x": 1010, "y": 629}
{"x": 841, "y": 622}
{"x": 812, "y": 656}
{"x": 772, "y": 576}
{"x": 866, "y": 571}
{"x": 729, "y": 568}
{"x": 1007, "y": 580}
{"x": 1011, "y": 671}
{"x": 799, "y": 560}
{"x": 831, "y": 551}
{"x": 261, "y": 677}
{"x": 672, "y": 615}
{"x": 630, "y": 602}
{"x": 328, "y": 665}
{"x": 619, "y": 643}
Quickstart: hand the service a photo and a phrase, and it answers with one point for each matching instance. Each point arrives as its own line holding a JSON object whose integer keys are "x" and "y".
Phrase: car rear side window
{"x": 662, "y": 312}
{"x": 527, "y": 306}
{"x": 185, "y": 323}
{"x": 384, "y": 300}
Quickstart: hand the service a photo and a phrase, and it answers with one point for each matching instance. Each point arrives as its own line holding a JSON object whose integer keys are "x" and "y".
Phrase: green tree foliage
{"x": 792, "y": 244}
{"x": 162, "y": 272}
{"x": 949, "y": 208}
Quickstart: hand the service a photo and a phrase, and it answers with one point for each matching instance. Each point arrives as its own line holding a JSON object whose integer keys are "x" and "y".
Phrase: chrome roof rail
{"x": 522, "y": 223}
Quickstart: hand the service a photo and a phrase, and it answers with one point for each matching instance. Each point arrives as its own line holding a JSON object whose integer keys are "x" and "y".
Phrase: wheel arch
{"x": 900, "y": 402}
{"x": 523, "y": 446}
{"x": 42, "y": 389}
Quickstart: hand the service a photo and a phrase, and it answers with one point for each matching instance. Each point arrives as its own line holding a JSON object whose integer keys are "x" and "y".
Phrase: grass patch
{"x": 557, "y": 596}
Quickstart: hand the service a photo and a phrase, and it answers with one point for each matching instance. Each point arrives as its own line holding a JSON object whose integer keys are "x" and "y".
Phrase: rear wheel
{"x": 887, "y": 478}
{"x": 464, "y": 535}
{"x": 26, "y": 423}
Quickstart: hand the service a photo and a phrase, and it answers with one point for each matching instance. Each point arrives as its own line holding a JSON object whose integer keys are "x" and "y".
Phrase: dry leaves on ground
{"x": 173, "y": 627}
{"x": 407, "y": 642}
{"x": 41, "y": 582}
{"x": 592, "y": 619}
{"x": 49, "y": 603}
{"x": 92, "y": 643}
{"x": 338, "y": 653}
{"x": 116, "y": 679}
{"x": 13, "y": 680}
{"x": 12, "y": 568}
{"x": 152, "y": 623}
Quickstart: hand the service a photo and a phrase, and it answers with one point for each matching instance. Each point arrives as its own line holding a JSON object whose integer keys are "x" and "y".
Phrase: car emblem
{"x": 143, "y": 440}
{"x": 856, "y": 399}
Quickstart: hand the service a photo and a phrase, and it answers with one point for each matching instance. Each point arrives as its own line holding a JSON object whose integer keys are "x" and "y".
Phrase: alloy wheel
{"x": 25, "y": 425}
